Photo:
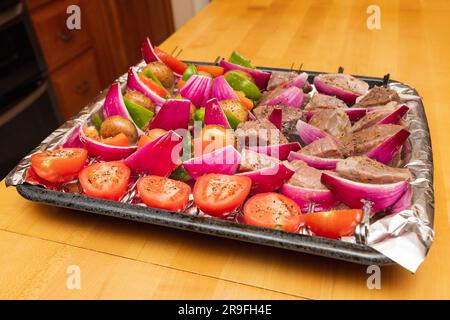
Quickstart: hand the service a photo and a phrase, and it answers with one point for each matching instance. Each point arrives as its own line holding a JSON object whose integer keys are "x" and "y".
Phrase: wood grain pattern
{"x": 412, "y": 45}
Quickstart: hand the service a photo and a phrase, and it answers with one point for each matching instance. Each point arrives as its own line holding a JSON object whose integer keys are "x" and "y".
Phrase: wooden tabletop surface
{"x": 122, "y": 259}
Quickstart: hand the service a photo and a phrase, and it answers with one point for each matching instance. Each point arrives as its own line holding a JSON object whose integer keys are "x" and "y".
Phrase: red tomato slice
{"x": 218, "y": 194}
{"x": 119, "y": 140}
{"x": 273, "y": 210}
{"x": 163, "y": 193}
{"x": 173, "y": 63}
{"x": 60, "y": 165}
{"x": 215, "y": 71}
{"x": 152, "y": 85}
{"x": 105, "y": 180}
{"x": 335, "y": 223}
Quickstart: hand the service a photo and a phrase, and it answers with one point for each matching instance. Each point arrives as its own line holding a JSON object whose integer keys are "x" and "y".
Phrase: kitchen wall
{"x": 183, "y": 10}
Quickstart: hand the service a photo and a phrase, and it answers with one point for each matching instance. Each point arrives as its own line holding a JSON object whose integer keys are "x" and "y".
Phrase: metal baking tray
{"x": 336, "y": 249}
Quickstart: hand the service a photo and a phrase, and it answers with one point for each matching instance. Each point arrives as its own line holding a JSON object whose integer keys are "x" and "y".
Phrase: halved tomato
{"x": 219, "y": 194}
{"x": 173, "y": 63}
{"x": 119, "y": 140}
{"x": 273, "y": 210}
{"x": 163, "y": 193}
{"x": 60, "y": 165}
{"x": 335, "y": 223}
{"x": 105, "y": 180}
{"x": 152, "y": 85}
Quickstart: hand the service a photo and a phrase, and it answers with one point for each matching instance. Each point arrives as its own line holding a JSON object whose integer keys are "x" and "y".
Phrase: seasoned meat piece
{"x": 289, "y": 119}
{"x": 251, "y": 161}
{"x": 322, "y": 101}
{"x": 346, "y": 82}
{"x": 363, "y": 141}
{"x": 327, "y": 147}
{"x": 279, "y": 78}
{"x": 378, "y": 96}
{"x": 258, "y": 132}
{"x": 332, "y": 121}
{"x": 366, "y": 170}
{"x": 306, "y": 176}
{"x": 372, "y": 118}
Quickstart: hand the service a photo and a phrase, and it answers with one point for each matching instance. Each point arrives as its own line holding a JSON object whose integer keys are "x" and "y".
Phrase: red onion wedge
{"x": 323, "y": 199}
{"x": 159, "y": 157}
{"x": 197, "y": 89}
{"x": 148, "y": 53}
{"x": 134, "y": 83}
{"x": 404, "y": 202}
{"x": 279, "y": 151}
{"x": 251, "y": 116}
{"x": 269, "y": 179}
{"x": 261, "y": 78}
{"x": 315, "y": 162}
{"x": 354, "y": 114}
{"x": 276, "y": 117}
{"x": 222, "y": 90}
{"x": 299, "y": 81}
{"x": 215, "y": 115}
{"x": 309, "y": 133}
{"x": 327, "y": 84}
{"x": 291, "y": 97}
{"x": 174, "y": 114}
{"x": 73, "y": 140}
{"x": 104, "y": 151}
{"x": 386, "y": 150}
{"x": 352, "y": 193}
{"x": 224, "y": 161}
{"x": 396, "y": 116}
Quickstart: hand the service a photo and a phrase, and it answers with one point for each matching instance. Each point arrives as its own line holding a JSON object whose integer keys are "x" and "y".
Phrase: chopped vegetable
{"x": 273, "y": 210}
{"x": 261, "y": 78}
{"x": 190, "y": 70}
{"x": 223, "y": 161}
{"x": 160, "y": 73}
{"x": 174, "y": 114}
{"x": 235, "y": 110}
{"x": 219, "y": 194}
{"x": 159, "y": 157}
{"x": 105, "y": 180}
{"x": 173, "y": 63}
{"x": 163, "y": 193}
{"x": 197, "y": 89}
{"x": 248, "y": 103}
{"x": 119, "y": 140}
{"x": 59, "y": 165}
{"x": 269, "y": 179}
{"x": 214, "y": 114}
{"x": 152, "y": 85}
{"x": 134, "y": 83}
{"x": 150, "y": 136}
{"x": 140, "y": 115}
{"x": 238, "y": 59}
{"x": 240, "y": 83}
{"x": 333, "y": 224}
{"x": 215, "y": 71}
{"x": 114, "y": 125}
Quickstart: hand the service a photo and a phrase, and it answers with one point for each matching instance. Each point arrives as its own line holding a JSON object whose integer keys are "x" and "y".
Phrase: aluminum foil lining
{"x": 404, "y": 237}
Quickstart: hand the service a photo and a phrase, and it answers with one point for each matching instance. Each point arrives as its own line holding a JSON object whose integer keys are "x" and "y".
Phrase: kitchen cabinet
{"x": 82, "y": 62}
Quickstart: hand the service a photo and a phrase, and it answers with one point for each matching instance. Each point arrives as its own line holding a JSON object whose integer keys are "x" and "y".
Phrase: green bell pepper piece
{"x": 140, "y": 115}
{"x": 180, "y": 174}
{"x": 147, "y": 73}
{"x": 240, "y": 83}
{"x": 190, "y": 70}
{"x": 239, "y": 59}
{"x": 199, "y": 114}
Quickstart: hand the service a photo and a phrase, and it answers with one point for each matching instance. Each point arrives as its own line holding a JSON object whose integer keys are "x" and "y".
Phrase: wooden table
{"x": 121, "y": 259}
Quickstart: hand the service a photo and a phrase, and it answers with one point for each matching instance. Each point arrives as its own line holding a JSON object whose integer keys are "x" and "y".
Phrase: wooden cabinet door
{"x": 76, "y": 84}
{"x": 58, "y": 43}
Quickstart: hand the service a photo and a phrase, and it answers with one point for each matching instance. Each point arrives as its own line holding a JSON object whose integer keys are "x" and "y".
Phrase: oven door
{"x": 24, "y": 125}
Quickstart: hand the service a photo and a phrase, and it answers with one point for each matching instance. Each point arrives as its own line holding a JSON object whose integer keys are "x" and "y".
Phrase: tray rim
{"x": 334, "y": 249}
